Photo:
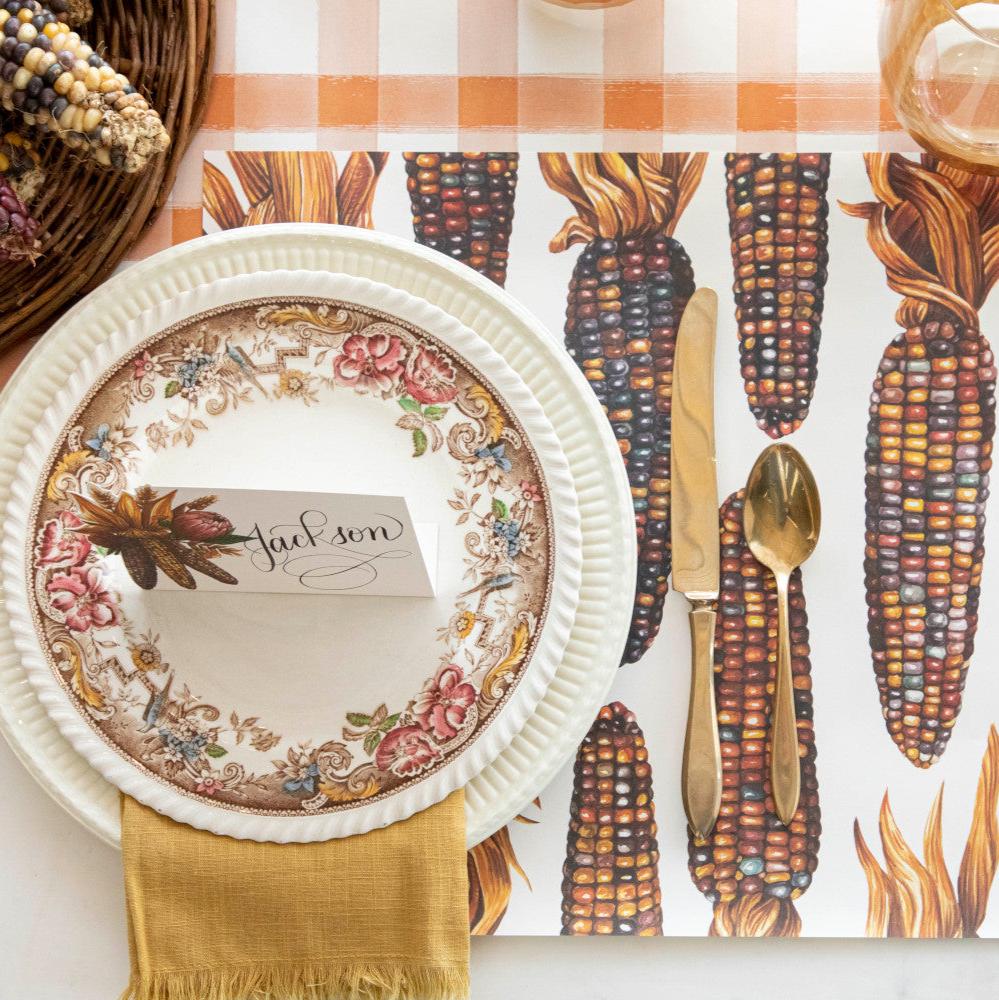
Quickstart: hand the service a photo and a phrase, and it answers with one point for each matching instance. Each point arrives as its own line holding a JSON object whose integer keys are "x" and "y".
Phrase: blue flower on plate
{"x": 188, "y": 371}
{"x": 307, "y": 783}
{"x": 191, "y": 749}
{"x": 496, "y": 453}
{"x": 508, "y": 529}
{"x": 98, "y": 443}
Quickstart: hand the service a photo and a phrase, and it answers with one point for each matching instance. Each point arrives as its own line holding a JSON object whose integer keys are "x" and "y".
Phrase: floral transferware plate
{"x": 292, "y": 717}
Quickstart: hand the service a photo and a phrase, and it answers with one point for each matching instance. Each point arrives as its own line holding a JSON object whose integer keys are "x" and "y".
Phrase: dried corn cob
{"x": 628, "y": 291}
{"x": 55, "y": 80}
{"x": 18, "y": 230}
{"x": 913, "y": 898}
{"x": 490, "y": 865}
{"x": 73, "y": 12}
{"x": 611, "y": 874}
{"x": 294, "y": 187}
{"x": 753, "y": 866}
{"x": 21, "y": 165}
{"x": 778, "y": 223}
{"x": 462, "y": 205}
{"x": 929, "y": 444}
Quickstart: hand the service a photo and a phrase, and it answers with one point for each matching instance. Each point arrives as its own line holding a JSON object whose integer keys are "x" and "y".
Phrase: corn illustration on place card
{"x": 263, "y": 541}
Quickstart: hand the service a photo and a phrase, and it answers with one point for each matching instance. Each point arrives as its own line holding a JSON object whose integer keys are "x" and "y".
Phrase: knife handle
{"x": 702, "y": 773}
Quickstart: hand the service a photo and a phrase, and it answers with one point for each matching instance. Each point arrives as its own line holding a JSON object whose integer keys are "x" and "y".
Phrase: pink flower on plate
{"x": 209, "y": 786}
{"x": 530, "y": 492}
{"x": 429, "y": 376}
{"x": 200, "y": 525}
{"x": 60, "y": 544}
{"x": 145, "y": 366}
{"x": 443, "y": 703}
{"x": 405, "y": 751}
{"x": 370, "y": 362}
{"x": 80, "y": 594}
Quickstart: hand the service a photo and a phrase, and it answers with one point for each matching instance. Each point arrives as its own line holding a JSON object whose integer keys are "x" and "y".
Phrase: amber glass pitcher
{"x": 940, "y": 66}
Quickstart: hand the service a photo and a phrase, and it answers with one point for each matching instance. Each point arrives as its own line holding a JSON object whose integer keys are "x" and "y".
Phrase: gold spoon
{"x": 781, "y": 520}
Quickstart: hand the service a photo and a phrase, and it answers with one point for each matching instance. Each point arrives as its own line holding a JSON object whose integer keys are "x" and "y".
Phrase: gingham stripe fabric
{"x": 449, "y": 74}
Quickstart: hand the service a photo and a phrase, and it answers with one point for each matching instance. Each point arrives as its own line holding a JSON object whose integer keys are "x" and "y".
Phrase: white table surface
{"x": 62, "y": 937}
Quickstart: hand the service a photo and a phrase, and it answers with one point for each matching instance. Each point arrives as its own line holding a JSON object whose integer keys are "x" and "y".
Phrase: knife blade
{"x": 695, "y": 545}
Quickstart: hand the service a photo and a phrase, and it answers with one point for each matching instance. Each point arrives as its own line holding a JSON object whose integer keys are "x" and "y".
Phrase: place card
{"x": 272, "y": 541}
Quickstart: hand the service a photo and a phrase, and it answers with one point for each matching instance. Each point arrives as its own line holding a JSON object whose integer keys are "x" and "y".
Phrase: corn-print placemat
{"x": 891, "y": 260}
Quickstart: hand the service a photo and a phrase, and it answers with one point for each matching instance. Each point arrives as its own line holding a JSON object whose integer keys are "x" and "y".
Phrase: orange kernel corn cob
{"x": 929, "y": 447}
{"x": 753, "y": 867}
{"x": 778, "y": 223}
{"x": 611, "y": 873}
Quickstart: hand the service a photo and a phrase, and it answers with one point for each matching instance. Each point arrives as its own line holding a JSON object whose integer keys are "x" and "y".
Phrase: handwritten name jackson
{"x": 323, "y": 555}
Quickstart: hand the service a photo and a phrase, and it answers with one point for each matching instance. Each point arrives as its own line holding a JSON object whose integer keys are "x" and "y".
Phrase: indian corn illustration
{"x": 151, "y": 534}
{"x": 611, "y": 874}
{"x": 462, "y": 205}
{"x": 56, "y": 81}
{"x": 628, "y": 291}
{"x": 491, "y": 865}
{"x": 929, "y": 443}
{"x": 293, "y": 187}
{"x": 913, "y": 898}
{"x": 753, "y": 867}
{"x": 778, "y": 212}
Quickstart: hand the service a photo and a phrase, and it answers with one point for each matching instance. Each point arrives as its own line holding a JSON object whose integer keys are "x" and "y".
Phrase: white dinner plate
{"x": 322, "y": 359}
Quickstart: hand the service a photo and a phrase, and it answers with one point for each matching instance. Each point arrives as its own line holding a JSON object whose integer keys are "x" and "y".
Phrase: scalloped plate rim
{"x": 222, "y": 249}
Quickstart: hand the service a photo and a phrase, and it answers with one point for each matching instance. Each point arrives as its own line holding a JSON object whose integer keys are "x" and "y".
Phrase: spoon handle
{"x": 701, "y": 780}
{"x": 785, "y": 768}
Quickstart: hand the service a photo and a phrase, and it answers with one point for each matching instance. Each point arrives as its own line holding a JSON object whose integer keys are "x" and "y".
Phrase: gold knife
{"x": 695, "y": 542}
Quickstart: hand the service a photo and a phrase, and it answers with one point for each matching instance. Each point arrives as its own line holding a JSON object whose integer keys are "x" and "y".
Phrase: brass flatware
{"x": 695, "y": 543}
{"x": 781, "y": 519}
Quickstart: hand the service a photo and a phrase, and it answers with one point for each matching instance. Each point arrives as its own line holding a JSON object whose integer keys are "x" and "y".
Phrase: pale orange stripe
{"x": 700, "y": 104}
{"x": 839, "y": 104}
{"x": 633, "y": 41}
{"x": 274, "y": 101}
{"x": 225, "y": 36}
{"x": 348, "y": 38}
{"x": 487, "y": 67}
{"x": 487, "y": 37}
{"x": 768, "y": 39}
{"x": 538, "y": 102}
{"x": 159, "y": 236}
{"x": 561, "y": 104}
{"x": 767, "y": 68}
{"x": 418, "y": 103}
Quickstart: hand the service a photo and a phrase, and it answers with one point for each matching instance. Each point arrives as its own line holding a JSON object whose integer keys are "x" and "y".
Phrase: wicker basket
{"x": 91, "y": 217}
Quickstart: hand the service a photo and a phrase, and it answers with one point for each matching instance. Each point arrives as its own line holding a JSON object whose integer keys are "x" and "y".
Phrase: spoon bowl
{"x": 781, "y": 520}
{"x": 782, "y": 515}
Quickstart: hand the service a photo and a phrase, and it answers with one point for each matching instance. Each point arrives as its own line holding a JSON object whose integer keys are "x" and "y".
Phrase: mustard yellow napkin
{"x": 381, "y": 916}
